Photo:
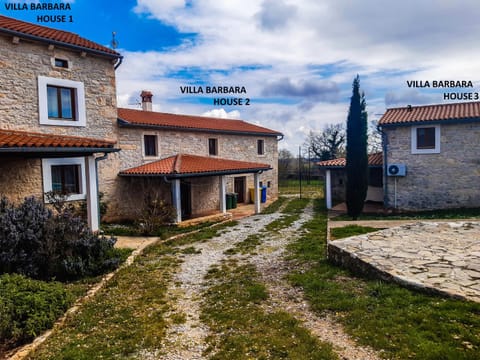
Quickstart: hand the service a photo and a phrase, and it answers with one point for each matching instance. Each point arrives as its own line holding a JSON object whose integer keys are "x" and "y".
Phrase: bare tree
{"x": 285, "y": 162}
{"x": 374, "y": 138}
{"x": 329, "y": 144}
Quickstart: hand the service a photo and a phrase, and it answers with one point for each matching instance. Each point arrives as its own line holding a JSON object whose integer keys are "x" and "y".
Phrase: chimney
{"x": 146, "y": 100}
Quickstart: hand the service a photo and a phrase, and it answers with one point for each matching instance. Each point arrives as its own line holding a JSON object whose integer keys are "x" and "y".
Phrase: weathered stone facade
{"x": 21, "y": 64}
{"x": 204, "y": 190}
{"x": 448, "y": 179}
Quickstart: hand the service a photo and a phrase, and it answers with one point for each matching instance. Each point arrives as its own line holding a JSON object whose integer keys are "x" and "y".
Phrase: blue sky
{"x": 296, "y": 59}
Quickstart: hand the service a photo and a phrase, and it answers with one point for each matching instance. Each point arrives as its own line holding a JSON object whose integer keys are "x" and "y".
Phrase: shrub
{"x": 41, "y": 245}
{"x": 28, "y": 307}
{"x": 155, "y": 213}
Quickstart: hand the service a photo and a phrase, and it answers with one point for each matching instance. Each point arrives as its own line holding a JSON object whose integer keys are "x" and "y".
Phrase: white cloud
{"x": 221, "y": 113}
{"x": 283, "y": 51}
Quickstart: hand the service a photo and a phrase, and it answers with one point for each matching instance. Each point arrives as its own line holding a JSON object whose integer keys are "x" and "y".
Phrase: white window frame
{"x": 47, "y": 175}
{"x": 80, "y": 112}
{"x": 157, "y": 145}
{"x": 435, "y": 150}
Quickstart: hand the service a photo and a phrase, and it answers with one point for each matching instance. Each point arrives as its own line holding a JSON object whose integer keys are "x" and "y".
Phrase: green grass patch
{"x": 128, "y": 316}
{"x": 461, "y": 213}
{"x": 123, "y": 318}
{"x": 275, "y": 206}
{"x": 166, "y": 231}
{"x": 306, "y": 188}
{"x": 403, "y": 323}
{"x": 350, "y": 230}
{"x": 241, "y": 329}
{"x": 291, "y": 212}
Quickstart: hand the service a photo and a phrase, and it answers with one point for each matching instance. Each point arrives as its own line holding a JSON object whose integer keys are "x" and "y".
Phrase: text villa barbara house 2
{"x": 430, "y": 159}
{"x": 60, "y": 130}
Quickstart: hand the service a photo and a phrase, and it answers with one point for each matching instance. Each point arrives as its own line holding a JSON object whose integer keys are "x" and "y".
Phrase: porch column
{"x": 177, "y": 202}
{"x": 256, "y": 188}
{"x": 223, "y": 193}
{"x": 328, "y": 189}
{"x": 92, "y": 193}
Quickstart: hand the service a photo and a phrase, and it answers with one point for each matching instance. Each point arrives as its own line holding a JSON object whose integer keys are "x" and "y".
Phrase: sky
{"x": 294, "y": 59}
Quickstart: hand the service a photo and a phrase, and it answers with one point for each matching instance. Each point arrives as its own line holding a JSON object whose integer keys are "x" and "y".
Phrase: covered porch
{"x": 40, "y": 163}
{"x": 198, "y": 182}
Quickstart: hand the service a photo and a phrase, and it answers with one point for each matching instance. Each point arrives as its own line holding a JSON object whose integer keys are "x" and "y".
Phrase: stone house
{"x": 430, "y": 158}
{"x": 57, "y": 113}
{"x": 436, "y": 151}
{"x": 61, "y": 130}
{"x": 192, "y": 161}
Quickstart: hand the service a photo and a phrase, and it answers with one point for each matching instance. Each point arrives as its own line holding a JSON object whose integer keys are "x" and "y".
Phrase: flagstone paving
{"x": 441, "y": 257}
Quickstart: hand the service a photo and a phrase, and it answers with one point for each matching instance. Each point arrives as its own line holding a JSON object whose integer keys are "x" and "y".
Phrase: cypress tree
{"x": 357, "y": 157}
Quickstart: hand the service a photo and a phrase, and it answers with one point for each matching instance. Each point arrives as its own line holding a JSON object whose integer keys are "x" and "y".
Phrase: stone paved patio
{"x": 441, "y": 257}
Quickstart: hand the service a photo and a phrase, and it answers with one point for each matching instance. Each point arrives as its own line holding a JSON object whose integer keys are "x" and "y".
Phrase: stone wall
{"x": 20, "y": 178}
{"x": 20, "y": 66}
{"x": 450, "y": 179}
{"x": 205, "y": 190}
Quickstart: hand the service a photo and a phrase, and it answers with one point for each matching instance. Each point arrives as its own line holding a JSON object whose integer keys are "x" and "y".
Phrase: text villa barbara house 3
{"x": 430, "y": 159}
{"x": 193, "y": 161}
{"x": 57, "y": 113}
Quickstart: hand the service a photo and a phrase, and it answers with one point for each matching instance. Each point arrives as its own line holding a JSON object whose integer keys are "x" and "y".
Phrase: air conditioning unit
{"x": 397, "y": 170}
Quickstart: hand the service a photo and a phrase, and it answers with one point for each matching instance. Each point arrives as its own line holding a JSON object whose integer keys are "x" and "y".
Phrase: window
{"x": 61, "y": 63}
{"x": 150, "y": 145}
{"x": 426, "y": 139}
{"x": 66, "y": 175}
{"x": 66, "y": 179}
{"x": 213, "y": 146}
{"x": 260, "y": 147}
{"x": 61, "y": 102}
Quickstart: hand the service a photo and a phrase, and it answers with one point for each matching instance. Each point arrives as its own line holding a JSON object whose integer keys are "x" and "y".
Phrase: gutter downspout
{"x": 119, "y": 62}
{"x": 385, "y": 166}
{"x": 97, "y": 160}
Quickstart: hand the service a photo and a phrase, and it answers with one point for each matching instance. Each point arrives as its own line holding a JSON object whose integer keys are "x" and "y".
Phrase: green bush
{"x": 42, "y": 245}
{"x": 29, "y": 307}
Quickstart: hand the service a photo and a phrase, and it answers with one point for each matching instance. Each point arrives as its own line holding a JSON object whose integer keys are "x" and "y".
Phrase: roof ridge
{"x": 59, "y": 37}
{"x": 433, "y": 105}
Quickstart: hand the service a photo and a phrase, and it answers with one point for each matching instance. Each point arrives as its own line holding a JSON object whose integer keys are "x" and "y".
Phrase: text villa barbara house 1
{"x": 60, "y": 130}
{"x": 430, "y": 160}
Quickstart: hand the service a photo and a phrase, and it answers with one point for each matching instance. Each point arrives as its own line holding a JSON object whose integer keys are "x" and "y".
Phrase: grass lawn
{"x": 312, "y": 188}
{"x": 401, "y": 323}
{"x": 243, "y": 329}
{"x": 350, "y": 230}
{"x": 126, "y": 318}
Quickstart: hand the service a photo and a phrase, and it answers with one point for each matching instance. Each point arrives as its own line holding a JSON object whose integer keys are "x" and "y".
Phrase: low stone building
{"x": 191, "y": 162}
{"x": 431, "y": 158}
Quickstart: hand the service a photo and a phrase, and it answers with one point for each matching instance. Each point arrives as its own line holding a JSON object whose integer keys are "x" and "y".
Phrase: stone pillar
{"x": 328, "y": 189}
{"x": 92, "y": 193}
{"x": 256, "y": 195}
{"x": 177, "y": 200}
{"x": 223, "y": 193}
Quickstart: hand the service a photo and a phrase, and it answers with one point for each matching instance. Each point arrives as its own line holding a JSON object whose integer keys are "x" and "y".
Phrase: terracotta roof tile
{"x": 47, "y": 34}
{"x": 426, "y": 113}
{"x": 373, "y": 160}
{"x": 182, "y": 164}
{"x": 16, "y": 139}
{"x": 165, "y": 120}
